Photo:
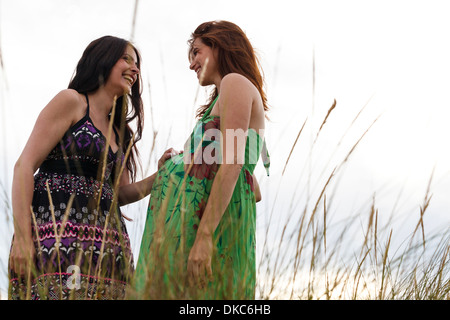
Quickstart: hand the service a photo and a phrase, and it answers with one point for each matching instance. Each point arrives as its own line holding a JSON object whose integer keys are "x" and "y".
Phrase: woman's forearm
{"x": 132, "y": 192}
{"x": 136, "y": 191}
{"x": 219, "y": 198}
{"x": 22, "y": 196}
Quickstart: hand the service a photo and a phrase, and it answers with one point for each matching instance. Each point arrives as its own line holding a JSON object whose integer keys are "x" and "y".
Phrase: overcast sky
{"x": 390, "y": 56}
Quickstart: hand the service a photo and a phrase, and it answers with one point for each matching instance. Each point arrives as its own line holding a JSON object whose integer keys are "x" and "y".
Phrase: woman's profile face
{"x": 124, "y": 73}
{"x": 203, "y": 61}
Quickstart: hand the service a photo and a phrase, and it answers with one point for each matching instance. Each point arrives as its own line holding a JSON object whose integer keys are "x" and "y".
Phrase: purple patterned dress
{"x": 82, "y": 246}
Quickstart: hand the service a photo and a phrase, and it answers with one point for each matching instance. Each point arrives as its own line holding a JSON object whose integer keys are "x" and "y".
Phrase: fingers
{"x": 209, "y": 272}
{"x": 17, "y": 265}
{"x": 199, "y": 261}
{"x": 21, "y": 267}
{"x": 192, "y": 273}
{"x": 21, "y": 259}
{"x": 168, "y": 154}
{"x": 12, "y": 265}
{"x": 171, "y": 152}
{"x": 199, "y": 273}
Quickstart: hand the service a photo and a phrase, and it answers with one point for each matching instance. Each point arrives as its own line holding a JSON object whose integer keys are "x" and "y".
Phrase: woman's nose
{"x": 192, "y": 65}
{"x": 135, "y": 69}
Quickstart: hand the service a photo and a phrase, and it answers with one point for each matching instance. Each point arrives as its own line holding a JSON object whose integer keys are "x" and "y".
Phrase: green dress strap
{"x": 208, "y": 111}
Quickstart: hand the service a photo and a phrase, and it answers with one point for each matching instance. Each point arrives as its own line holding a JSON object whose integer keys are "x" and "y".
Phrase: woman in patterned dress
{"x": 70, "y": 240}
{"x": 199, "y": 238}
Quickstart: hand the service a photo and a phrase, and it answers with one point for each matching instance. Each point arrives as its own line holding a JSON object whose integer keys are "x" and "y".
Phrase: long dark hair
{"x": 235, "y": 55}
{"x": 93, "y": 71}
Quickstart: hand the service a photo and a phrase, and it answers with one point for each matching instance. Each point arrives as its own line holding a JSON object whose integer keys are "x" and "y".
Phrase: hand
{"x": 199, "y": 261}
{"x": 22, "y": 257}
{"x": 169, "y": 153}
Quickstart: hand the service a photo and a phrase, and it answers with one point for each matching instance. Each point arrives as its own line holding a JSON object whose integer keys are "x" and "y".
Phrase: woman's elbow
{"x": 123, "y": 198}
{"x": 258, "y": 197}
{"x": 21, "y": 167}
{"x": 18, "y": 165}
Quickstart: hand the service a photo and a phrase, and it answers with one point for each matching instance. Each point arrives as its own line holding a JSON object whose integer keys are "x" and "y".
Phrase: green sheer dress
{"x": 178, "y": 198}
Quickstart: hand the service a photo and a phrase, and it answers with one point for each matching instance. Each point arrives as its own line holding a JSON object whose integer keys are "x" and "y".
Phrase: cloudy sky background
{"x": 389, "y": 59}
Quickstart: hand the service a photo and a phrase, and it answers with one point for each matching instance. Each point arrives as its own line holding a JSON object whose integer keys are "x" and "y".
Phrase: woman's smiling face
{"x": 203, "y": 61}
{"x": 125, "y": 72}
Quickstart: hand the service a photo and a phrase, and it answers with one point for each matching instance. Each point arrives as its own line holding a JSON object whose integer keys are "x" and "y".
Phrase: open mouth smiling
{"x": 129, "y": 78}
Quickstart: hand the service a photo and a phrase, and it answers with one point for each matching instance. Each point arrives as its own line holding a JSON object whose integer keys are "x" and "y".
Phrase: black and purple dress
{"x": 82, "y": 246}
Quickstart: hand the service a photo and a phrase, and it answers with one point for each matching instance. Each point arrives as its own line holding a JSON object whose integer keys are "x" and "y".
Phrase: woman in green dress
{"x": 199, "y": 236}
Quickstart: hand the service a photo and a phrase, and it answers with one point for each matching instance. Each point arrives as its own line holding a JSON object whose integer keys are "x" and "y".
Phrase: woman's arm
{"x": 53, "y": 121}
{"x": 258, "y": 196}
{"x": 132, "y": 192}
{"x": 235, "y": 105}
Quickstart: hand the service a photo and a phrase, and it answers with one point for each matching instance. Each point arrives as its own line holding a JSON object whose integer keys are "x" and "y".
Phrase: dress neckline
{"x": 208, "y": 111}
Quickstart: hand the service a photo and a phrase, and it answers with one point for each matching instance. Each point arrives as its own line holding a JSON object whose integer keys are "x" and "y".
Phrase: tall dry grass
{"x": 309, "y": 257}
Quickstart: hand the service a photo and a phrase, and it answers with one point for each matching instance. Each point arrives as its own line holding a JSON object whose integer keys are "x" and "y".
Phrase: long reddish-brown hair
{"x": 235, "y": 55}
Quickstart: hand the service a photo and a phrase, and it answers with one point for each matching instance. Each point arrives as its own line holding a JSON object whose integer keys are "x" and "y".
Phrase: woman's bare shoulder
{"x": 67, "y": 104}
{"x": 69, "y": 96}
{"x": 236, "y": 78}
{"x": 236, "y": 83}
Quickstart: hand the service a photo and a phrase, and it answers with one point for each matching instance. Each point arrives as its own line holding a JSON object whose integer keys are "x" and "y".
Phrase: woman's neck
{"x": 102, "y": 102}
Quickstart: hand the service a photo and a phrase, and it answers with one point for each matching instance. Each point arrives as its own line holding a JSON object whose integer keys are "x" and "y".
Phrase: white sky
{"x": 393, "y": 55}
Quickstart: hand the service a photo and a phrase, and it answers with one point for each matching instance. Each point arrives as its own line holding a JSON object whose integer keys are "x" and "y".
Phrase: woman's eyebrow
{"x": 129, "y": 56}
